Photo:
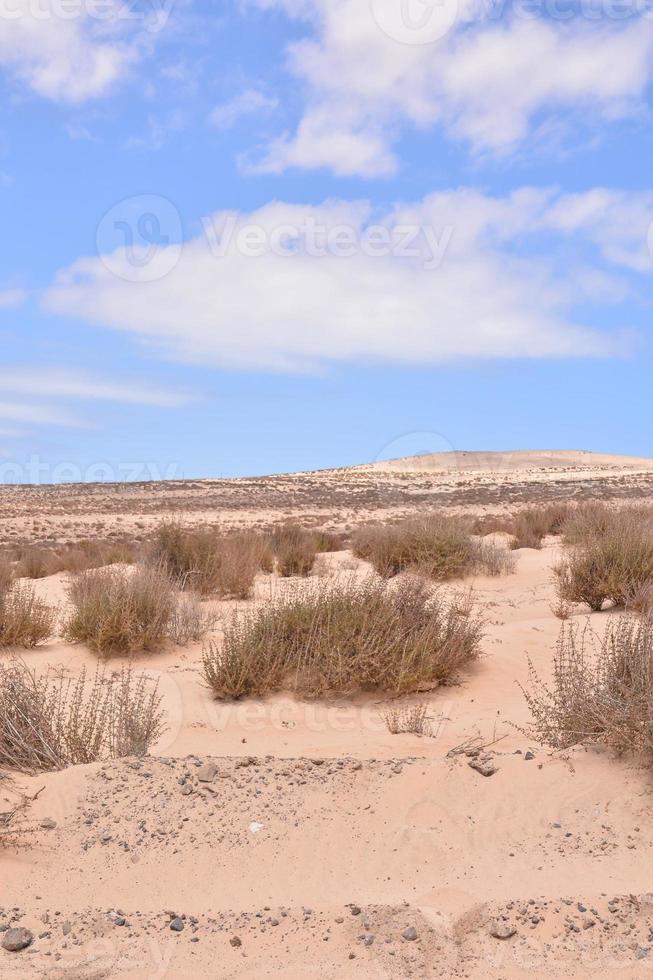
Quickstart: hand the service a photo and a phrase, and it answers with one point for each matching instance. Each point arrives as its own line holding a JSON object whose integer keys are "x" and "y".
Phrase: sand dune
{"x": 322, "y": 838}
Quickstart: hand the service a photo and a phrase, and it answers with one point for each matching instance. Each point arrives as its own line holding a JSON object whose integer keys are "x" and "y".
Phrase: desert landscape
{"x": 333, "y": 758}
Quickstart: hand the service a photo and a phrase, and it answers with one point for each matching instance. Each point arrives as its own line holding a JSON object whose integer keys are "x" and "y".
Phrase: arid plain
{"x": 287, "y": 837}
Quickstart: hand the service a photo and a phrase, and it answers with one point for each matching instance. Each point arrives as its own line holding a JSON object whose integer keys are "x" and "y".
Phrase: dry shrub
{"x": 209, "y": 563}
{"x": 413, "y": 718}
{"x": 6, "y": 574}
{"x": 190, "y": 620}
{"x": 25, "y": 620}
{"x": 640, "y": 599}
{"x": 119, "y": 611}
{"x": 49, "y": 722}
{"x": 610, "y": 562}
{"x": 295, "y": 549}
{"x": 95, "y": 554}
{"x": 436, "y": 546}
{"x": 326, "y": 541}
{"x": 602, "y": 688}
{"x": 586, "y": 521}
{"x": 345, "y": 637}
{"x": 532, "y": 525}
{"x": 36, "y": 563}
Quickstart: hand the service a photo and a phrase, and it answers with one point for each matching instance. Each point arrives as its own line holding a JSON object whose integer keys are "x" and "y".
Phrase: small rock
{"x": 528, "y": 756}
{"x": 369, "y": 940}
{"x": 16, "y": 939}
{"x": 177, "y": 924}
{"x": 502, "y": 930}
{"x": 355, "y": 910}
{"x": 48, "y": 824}
{"x": 66, "y": 928}
{"x": 643, "y": 952}
{"x": 207, "y": 772}
{"x": 485, "y": 766}
{"x": 235, "y": 941}
{"x": 410, "y": 934}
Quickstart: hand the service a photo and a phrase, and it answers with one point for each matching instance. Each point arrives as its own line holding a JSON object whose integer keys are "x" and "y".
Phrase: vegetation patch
{"x": 343, "y": 638}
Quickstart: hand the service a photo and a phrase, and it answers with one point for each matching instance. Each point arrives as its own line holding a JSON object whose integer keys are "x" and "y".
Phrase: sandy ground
{"x": 322, "y": 838}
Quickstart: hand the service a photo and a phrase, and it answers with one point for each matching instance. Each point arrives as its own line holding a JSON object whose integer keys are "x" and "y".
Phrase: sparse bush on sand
{"x": 210, "y": 563}
{"x": 611, "y": 558}
{"x": 295, "y": 549}
{"x": 531, "y": 525}
{"x": 119, "y": 611}
{"x": 602, "y": 688}
{"x": 48, "y": 722}
{"x": 25, "y": 620}
{"x": 438, "y": 547}
{"x": 342, "y": 638}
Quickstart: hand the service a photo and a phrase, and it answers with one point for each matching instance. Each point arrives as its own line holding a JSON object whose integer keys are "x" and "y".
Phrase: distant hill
{"x": 516, "y": 461}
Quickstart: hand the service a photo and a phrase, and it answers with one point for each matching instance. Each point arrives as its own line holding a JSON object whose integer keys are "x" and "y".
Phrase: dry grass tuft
{"x": 345, "y": 637}
{"x": 438, "y": 547}
{"x": 25, "y": 621}
{"x": 611, "y": 558}
{"x": 120, "y": 611}
{"x": 602, "y": 691}
{"x": 295, "y": 549}
{"x": 49, "y": 722}
{"x": 413, "y": 719}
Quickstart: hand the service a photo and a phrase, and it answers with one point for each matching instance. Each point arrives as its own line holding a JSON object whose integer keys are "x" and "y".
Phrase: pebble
{"x": 410, "y": 934}
{"x": 177, "y": 924}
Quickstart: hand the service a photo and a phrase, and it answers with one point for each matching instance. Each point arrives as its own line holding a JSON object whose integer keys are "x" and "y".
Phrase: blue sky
{"x": 266, "y": 235}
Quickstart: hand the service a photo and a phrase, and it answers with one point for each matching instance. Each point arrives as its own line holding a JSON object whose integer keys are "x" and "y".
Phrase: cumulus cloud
{"x": 72, "y": 52}
{"x": 290, "y": 287}
{"x": 487, "y": 82}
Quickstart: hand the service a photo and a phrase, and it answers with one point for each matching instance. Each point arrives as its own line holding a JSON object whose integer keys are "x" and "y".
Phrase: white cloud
{"x": 52, "y": 383}
{"x": 10, "y": 298}
{"x": 247, "y": 103}
{"x": 486, "y": 299}
{"x": 40, "y": 414}
{"x": 485, "y": 82}
{"x": 68, "y": 59}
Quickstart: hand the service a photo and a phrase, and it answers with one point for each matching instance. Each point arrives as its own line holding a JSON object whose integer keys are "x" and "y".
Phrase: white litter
{"x": 254, "y": 827}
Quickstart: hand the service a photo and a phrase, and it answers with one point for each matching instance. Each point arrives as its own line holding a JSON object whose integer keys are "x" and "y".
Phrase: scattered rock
{"x": 410, "y": 934}
{"x": 502, "y": 930}
{"x": 48, "y": 824}
{"x": 177, "y": 924}
{"x": 16, "y": 939}
{"x": 236, "y": 942}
